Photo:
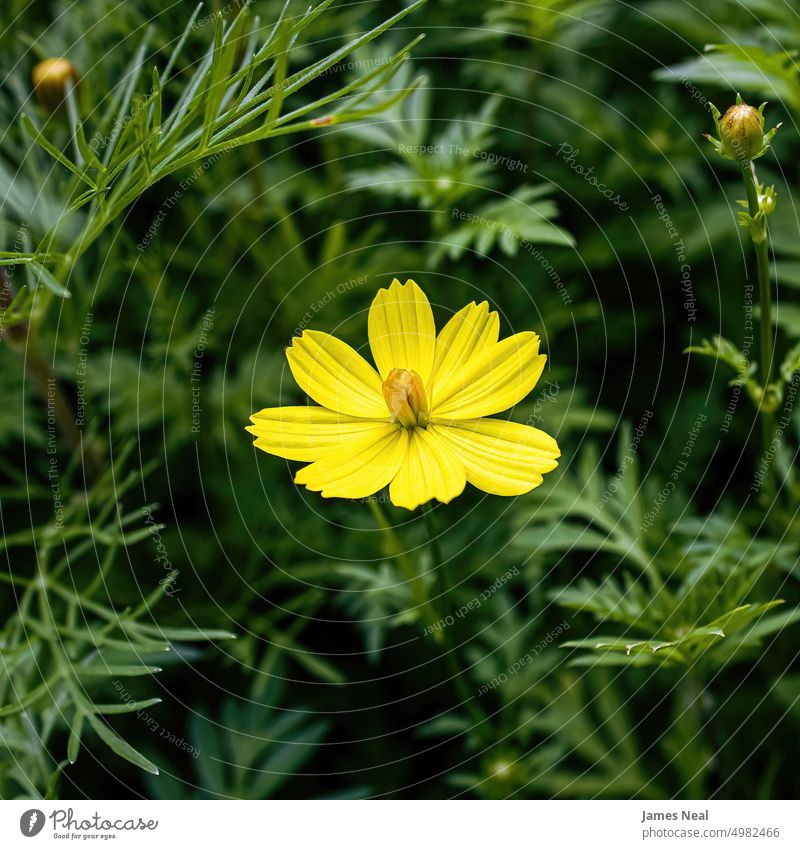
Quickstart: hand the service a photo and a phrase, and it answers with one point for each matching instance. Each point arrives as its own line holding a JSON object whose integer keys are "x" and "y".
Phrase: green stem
{"x": 419, "y": 589}
{"x": 766, "y": 339}
{"x": 393, "y": 549}
{"x": 693, "y": 761}
{"x": 456, "y": 670}
{"x": 764, "y": 284}
{"x": 436, "y": 551}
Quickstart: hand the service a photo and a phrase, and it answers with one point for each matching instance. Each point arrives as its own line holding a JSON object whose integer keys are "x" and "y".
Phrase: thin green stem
{"x": 766, "y": 338}
{"x": 393, "y": 549}
{"x": 419, "y": 589}
{"x": 436, "y": 551}
{"x": 689, "y": 724}
{"x": 440, "y": 564}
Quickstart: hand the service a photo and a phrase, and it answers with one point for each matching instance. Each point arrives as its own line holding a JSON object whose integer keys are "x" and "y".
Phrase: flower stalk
{"x": 741, "y": 139}
{"x": 395, "y": 551}
{"x": 419, "y": 590}
{"x": 758, "y": 236}
{"x": 440, "y": 565}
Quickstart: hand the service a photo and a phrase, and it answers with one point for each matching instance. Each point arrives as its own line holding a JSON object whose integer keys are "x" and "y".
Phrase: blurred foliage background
{"x": 180, "y": 620}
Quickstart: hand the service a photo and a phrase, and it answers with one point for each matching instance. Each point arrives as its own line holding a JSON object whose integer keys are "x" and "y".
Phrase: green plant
{"x": 241, "y": 92}
{"x": 67, "y": 641}
{"x": 685, "y": 590}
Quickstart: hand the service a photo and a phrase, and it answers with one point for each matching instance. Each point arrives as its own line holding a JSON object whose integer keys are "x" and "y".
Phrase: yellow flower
{"x": 417, "y": 423}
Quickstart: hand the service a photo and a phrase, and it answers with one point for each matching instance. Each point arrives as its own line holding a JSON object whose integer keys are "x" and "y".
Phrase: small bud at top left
{"x": 50, "y": 79}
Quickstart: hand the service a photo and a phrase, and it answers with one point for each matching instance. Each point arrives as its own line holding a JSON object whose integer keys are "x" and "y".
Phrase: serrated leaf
{"x": 720, "y": 348}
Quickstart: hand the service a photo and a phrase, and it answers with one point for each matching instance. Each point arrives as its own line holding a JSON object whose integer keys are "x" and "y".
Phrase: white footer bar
{"x": 401, "y": 824}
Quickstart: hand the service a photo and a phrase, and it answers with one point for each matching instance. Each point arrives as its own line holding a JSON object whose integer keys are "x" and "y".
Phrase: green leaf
{"x": 737, "y": 619}
{"x": 313, "y": 663}
{"x": 722, "y": 349}
{"x": 120, "y": 110}
{"x": 687, "y": 647}
{"x": 787, "y": 317}
{"x": 155, "y": 106}
{"x": 786, "y": 273}
{"x": 15, "y": 258}
{"x": 773, "y": 624}
{"x": 181, "y": 41}
{"x": 36, "y": 136}
{"x": 221, "y": 65}
{"x": 120, "y": 746}
{"x": 85, "y": 154}
{"x": 75, "y": 731}
{"x": 516, "y": 223}
{"x": 738, "y": 68}
{"x": 125, "y": 707}
{"x": 100, "y": 670}
{"x": 40, "y": 275}
{"x": 192, "y": 634}
{"x": 281, "y": 65}
{"x": 566, "y": 537}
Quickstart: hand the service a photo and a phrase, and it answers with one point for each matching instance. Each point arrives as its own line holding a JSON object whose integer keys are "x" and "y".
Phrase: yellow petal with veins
{"x": 431, "y": 470}
{"x": 307, "y": 433}
{"x": 500, "y": 457}
{"x": 335, "y": 375}
{"x": 469, "y": 332}
{"x": 493, "y": 380}
{"x": 359, "y": 468}
{"x": 402, "y": 333}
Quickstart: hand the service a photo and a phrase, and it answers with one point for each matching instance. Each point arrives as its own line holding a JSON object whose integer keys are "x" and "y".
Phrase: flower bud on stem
{"x": 741, "y": 138}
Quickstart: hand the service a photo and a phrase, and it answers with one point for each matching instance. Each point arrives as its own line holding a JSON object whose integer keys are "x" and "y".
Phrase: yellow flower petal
{"x": 468, "y": 332}
{"x": 308, "y": 433}
{"x": 360, "y": 467}
{"x": 430, "y": 470}
{"x": 335, "y": 375}
{"x": 502, "y": 458}
{"x": 402, "y": 333}
{"x": 493, "y": 380}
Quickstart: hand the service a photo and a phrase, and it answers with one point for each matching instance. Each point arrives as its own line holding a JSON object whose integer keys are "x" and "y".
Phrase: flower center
{"x": 405, "y": 398}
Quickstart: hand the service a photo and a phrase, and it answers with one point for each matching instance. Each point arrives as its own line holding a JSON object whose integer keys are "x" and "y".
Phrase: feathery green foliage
{"x": 179, "y": 619}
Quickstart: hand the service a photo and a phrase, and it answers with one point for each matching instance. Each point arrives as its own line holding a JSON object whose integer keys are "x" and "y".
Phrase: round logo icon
{"x": 31, "y": 822}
